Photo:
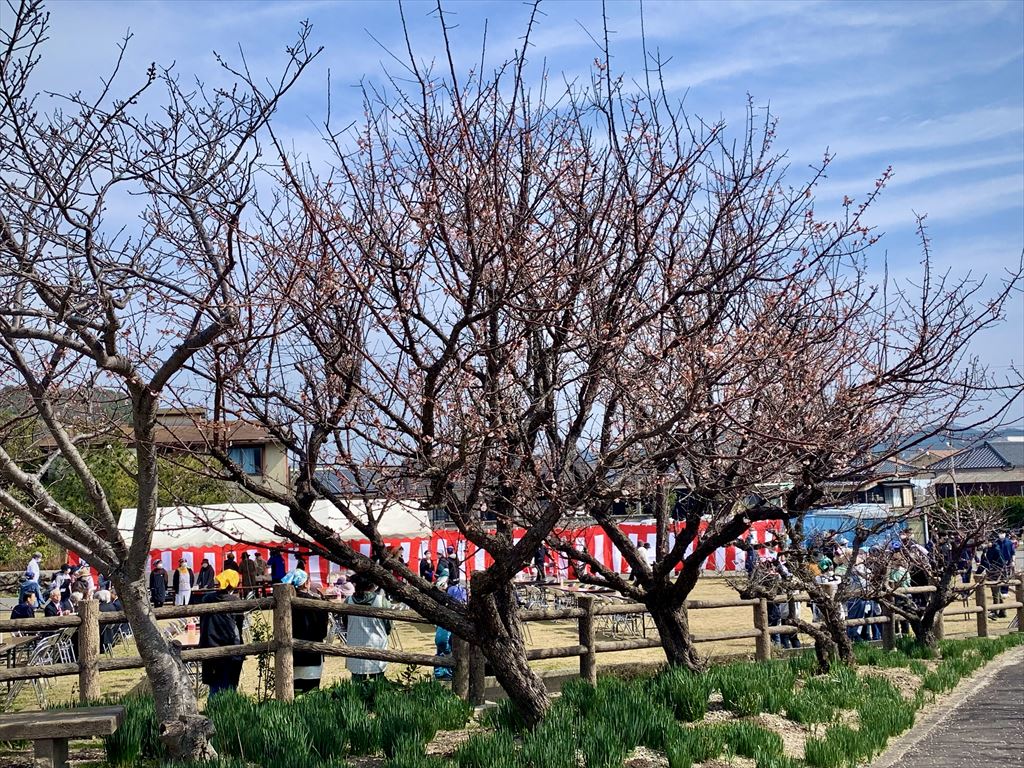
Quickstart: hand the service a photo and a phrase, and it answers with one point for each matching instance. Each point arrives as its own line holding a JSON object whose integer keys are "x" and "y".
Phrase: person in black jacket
{"x": 26, "y": 607}
{"x": 109, "y": 633}
{"x": 427, "y": 568}
{"x": 158, "y": 584}
{"x": 221, "y": 630}
{"x": 53, "y": 606}
{"x": 204, "y": 579}
{"x": 992, "y": 568}
{"x": 307, "y": 624}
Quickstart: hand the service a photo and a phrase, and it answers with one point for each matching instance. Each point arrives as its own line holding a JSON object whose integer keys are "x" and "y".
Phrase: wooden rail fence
{"x": 467, "y": 662}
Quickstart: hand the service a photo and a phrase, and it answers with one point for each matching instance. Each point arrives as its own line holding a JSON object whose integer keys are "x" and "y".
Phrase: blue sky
{"x": 934, "y": 89}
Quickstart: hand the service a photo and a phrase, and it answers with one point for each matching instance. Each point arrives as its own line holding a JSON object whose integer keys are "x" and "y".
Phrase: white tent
{"x": 218, "y": 525}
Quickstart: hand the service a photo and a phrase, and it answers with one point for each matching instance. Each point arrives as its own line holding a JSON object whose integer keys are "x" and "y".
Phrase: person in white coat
{"x": 366, "y": 631}
{"x": 183, "y": 582}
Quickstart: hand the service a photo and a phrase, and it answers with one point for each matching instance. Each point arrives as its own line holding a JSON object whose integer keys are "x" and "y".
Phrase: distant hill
{"x": 967, "y": 438}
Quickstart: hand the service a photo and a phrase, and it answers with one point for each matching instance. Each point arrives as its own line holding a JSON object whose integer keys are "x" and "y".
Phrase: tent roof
{"x": 224, "y": 524}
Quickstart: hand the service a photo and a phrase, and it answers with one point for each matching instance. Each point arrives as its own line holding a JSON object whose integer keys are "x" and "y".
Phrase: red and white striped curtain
{"x": 592, "y": 538}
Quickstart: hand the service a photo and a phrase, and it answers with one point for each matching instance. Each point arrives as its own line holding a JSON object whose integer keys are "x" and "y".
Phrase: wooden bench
{"x": 51, "y": 729}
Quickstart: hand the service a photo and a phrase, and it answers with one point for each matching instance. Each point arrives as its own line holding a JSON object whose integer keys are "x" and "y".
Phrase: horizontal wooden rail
{"x": 193, "y": 655}
{"x": 1005, "y": 606}
{"x": 739, "y": 635}
{"x": 637, "y": 644}
{"x": 696, "y": 605}
{"x": 961, "y": 611}
{"x": 199, "y": 609}
{"x": 550, "y": 614}
{"x": 31, "y": 673}
{"x": 41, "y": 624}
{"x": 350, "y": 609}
{"x": 563, "y": 652}
{"x": 374, "y": 654}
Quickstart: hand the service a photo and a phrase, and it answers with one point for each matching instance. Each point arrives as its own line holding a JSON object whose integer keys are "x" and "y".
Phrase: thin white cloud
{"x": 951, "y": 203}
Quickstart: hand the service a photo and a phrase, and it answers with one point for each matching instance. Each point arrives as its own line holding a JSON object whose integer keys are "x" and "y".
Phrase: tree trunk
{"x": 824, "y": 646}
{"x": 832, "y": 621}
{"x": 183, "y": 730}
{"x": 500, "y": 638}
{"x": 673, "y": 623}
{"x": 924, "y": 626}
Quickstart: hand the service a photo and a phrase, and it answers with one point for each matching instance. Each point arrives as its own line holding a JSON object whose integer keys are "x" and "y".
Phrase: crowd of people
{"x": 68, "y": 587}
{"x": 224, "y": 630}
{"x": 254, "y": 573}
{"x": 881, "y": 568}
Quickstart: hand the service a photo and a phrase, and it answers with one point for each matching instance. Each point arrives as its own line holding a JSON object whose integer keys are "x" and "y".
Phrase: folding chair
{"x": 336, "y": 629}
{"x": 43, "y": 654}
{"x": 65, "y": 648}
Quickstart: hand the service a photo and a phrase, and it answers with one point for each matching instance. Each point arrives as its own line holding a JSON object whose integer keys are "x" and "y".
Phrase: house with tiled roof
{"x": 991, "y": 468}
{"x": 188, "y": 430}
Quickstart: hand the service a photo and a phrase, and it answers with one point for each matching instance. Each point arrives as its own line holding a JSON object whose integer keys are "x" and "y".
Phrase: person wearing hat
{"x": 307, "y": 624}
{"x": 366, "y": 631}
{"x": 158, "y": 584}
{"x": 456, "y": 591}
{"x": 220, "y": 630}
{"x": 205, "y": 577}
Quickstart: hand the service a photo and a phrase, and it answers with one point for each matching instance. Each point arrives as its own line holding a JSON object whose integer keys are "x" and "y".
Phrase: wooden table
{"x": 187, "y": 639}
{"x": 51, "y": 751}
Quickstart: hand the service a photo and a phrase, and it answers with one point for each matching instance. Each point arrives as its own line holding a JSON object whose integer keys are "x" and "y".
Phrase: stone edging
{"x": 901, "y": 745}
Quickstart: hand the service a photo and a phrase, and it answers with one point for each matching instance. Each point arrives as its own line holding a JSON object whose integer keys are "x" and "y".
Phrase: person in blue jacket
{"x": 277, "y": 566}
{"x": 442, "y": 637}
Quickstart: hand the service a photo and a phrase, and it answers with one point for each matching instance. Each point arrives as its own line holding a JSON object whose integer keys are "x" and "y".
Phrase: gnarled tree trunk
{"x": 183, "y": 730}
{"x": 673, "y": 623}
{"x": 832, "y": 622}
{"x": 824, "y": 646}
{"x": 500, "y": 637}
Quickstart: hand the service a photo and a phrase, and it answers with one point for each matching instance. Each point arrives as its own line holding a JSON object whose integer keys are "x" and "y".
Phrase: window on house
{"x": 248, "y": 457}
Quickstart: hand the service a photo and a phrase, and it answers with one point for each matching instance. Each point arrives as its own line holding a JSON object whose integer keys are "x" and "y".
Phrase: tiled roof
{"x": 992, "y": 454}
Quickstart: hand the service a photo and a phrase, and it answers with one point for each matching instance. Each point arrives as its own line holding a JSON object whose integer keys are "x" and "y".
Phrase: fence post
{"x": 284, "y": 662}
{"x": 460, "y": 675}
{"x": 763, "y": 642}
{"x": 981, "y": 600}
{"x": 477, "y": 676}
{"x": 888, "y": 628}
{"x": 588, "y": 638}
{"x": 1019, "y": 598}
{"x": 89, "y": 651}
